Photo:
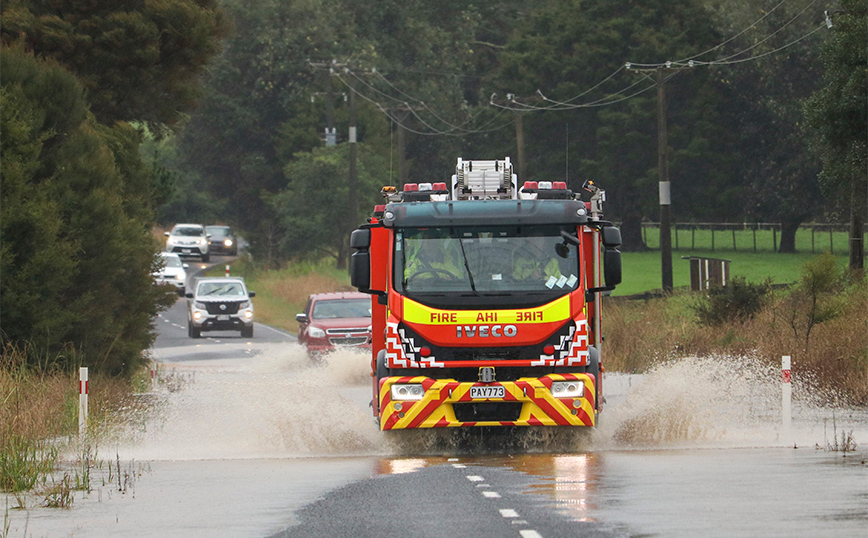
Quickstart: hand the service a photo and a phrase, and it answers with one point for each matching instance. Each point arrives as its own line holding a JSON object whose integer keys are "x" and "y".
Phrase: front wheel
{"x": 193, "y": 331}
{"x": 205, "y": 258}
{"x": 247, "y": 332}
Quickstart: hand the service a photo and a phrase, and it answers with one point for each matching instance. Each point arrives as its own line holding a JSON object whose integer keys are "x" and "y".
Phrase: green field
{"x": 642, "y": 269}
{"x": 740, "y": 238}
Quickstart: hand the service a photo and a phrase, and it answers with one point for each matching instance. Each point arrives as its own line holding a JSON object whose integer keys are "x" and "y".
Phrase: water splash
{"x": 714, "y": 402}
{"x": 276, "y": 403}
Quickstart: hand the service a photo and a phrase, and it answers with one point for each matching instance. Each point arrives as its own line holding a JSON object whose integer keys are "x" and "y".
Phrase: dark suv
{"x": 221, "y": 240}
{"x": 219, "y": 304}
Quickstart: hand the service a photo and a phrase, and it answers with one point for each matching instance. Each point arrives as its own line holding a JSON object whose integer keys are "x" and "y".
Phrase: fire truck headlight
{"x": 568, "y": 389}
{"x": 408, "y": 391}
{"x": 315, "y": 332}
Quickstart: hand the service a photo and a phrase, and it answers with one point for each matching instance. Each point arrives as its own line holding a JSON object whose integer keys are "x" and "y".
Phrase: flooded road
{"x": 251, "y": 439}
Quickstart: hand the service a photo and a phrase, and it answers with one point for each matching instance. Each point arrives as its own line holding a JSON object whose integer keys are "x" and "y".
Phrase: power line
{"x": 516, "y": 105}
{"x": 434, "y": 131}
{"x": 692, "y": 62}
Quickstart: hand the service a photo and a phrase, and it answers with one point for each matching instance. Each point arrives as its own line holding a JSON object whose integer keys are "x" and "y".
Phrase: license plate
{"x": 223, "y": 318}
{"x": 188, "y": 251}
{"x": 487, "y": 392}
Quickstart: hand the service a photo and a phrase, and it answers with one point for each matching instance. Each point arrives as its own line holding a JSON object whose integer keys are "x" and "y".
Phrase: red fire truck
{"x": 486, "y": 300}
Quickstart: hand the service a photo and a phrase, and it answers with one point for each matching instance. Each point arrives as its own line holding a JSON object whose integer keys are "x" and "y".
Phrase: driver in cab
{"x": 429, "y": 263}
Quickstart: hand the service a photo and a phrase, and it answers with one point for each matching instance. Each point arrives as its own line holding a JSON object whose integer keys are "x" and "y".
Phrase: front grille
{"x": 347, "y": 331}
{"x": 349, "y": 341}
{"x": 487, "y": 411}
{"x": 231, "y": 307}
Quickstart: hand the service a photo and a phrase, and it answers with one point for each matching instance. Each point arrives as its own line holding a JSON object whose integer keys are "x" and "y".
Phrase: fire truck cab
{"x": 486, "y": 300}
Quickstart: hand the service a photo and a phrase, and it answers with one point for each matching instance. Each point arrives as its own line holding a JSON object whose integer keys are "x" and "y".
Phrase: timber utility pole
{"x": 665, "y": 191}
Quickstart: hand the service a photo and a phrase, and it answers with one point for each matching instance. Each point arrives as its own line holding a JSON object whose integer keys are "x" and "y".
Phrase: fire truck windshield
{"x": 497, "y": 261}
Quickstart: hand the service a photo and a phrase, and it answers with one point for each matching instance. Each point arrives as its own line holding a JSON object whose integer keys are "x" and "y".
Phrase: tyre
{"x": 247, "y": 332}
{"x": 193, "y": 331}
{"x": 205, "y": 258}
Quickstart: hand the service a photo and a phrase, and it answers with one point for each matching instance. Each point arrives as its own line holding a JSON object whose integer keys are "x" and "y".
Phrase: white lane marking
{"x": 459, "y": 466}
{"x": 475, "y": 478}
{"x": 491, "y": 494}
{"x": 508, "y": 512}
{"x": 452, "y": 459}
{"x": 529, "y": 533}
{"x": 483, "y": 486}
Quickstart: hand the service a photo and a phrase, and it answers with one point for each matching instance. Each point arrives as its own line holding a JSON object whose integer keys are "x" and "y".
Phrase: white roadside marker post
{"x": 227, "y": 270}
{"x": 786, "y": 394}
{"x": 82, "y": 400}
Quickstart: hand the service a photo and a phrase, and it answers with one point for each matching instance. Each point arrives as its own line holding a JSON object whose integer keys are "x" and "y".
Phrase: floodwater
{"x": 234, "y": 446}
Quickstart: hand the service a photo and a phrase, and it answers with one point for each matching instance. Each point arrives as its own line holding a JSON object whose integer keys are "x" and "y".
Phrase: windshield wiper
{"x": 467, "y": 266}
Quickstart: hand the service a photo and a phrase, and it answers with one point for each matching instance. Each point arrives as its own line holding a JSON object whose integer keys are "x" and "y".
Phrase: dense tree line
{"x": 99, "y": 133}
{"x": 434, "y": 81}
{"x": 77, "y": 209}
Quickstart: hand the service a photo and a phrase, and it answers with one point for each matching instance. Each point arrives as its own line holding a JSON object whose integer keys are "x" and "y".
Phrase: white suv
{"x": 219, "y": 304}
{"x": 188, "y": 240}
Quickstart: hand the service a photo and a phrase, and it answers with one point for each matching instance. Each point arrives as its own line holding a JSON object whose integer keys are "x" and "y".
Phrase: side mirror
{"x": 167, "y": 234}
{"x": 251, "y": 294}
{"x": 611, "y": 237}
{"x": 302, "y": 318}
{"x": 360, "y": 270}
{"x": 188, "y": 295}
{"x": 612, "y": 266}
{"x": 360, "y": 261}
{"x": 360, "y": 239}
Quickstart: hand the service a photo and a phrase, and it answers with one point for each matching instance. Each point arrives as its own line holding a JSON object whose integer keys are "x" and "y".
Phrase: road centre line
{"x": 475, "y": 478}
{"x": 491, "y": 494}
{"x": 529, "y": 533}
{"x": 508, "y": 512}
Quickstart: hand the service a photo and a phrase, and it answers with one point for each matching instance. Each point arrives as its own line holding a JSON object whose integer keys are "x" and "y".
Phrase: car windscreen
{"x": 188, "y": 232}
{"x": 502, "y": 260}
{"x": 220, "y": 289}
{"x": 342, "y": 308}
{"x": 171, "y": 261}
{"x": 218, "y": 231}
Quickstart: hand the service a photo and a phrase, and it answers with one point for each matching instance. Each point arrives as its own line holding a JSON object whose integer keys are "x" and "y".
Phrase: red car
{"x": 335, "y": 320}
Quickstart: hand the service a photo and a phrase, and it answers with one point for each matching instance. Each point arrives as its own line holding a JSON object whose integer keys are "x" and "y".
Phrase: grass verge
{"x": 39, "y": 425}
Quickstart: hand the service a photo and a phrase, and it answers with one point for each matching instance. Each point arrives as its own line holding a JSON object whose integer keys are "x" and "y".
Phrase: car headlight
{"x": 407, "y": 391}
{"x": 316, "y": 332}
{"x": 245, "y": 304}
{"x": 248, "y": 314}
{"x": 227, "y": 243}
{"x": 200, "y": 306}
{"x": 202, "y": 241}
{"x": 568, "y": 389}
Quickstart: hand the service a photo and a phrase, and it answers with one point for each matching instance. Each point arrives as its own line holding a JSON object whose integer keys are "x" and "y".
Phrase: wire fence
{"x": 750, "y": 237}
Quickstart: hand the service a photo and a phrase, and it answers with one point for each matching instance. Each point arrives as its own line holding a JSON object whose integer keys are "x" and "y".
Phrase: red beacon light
{"x": 562, "y": 185}
{"x": 411, "y": 187}
{"x": 530, "y": 185}
{"x": 439, "y": 186}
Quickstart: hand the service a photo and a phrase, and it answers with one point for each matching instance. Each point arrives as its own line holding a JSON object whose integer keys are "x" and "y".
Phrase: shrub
{"x": 737, "y": 302}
